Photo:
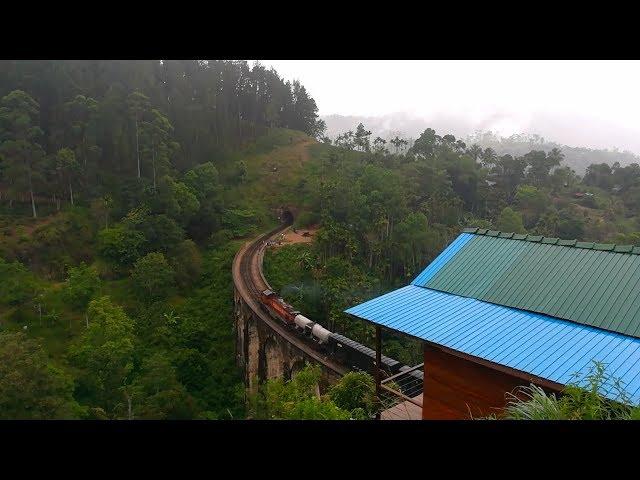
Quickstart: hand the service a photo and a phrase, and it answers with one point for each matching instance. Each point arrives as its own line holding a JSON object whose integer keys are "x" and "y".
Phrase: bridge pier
{"x": 262, "y": 353}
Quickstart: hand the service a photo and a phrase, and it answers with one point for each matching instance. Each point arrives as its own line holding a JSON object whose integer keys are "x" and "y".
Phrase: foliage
{"x": 30, "y": 386}
{"x": 81, "y": 285}
{"x": 18, "y": 283}
{"x": 157, "y": 394}
{"x": 296, "y": 399}
{"x": 581, "y": 399}
{"x": 355, "y": 391}
{"x": 186, "y": 263}
{"x": 121, "y": 245}
{"x": 105, "y": 353}
{"x": 510, "y": 221}
{"x": 153, "y": 277}
{"x": 153, "y": 168}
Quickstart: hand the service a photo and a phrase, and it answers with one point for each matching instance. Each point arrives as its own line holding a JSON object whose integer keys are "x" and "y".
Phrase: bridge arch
{"x": 273, "y": 359}
{"x": 296, "y": 366}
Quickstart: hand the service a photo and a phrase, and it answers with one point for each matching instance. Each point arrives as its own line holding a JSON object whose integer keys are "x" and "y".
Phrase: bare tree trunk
{"x": 137, "y": 148}
{"x": 129, "y": 408}
{"x": 33, "y": 202}
{"x": 71, "y": 192}
{"x": 154, "y": 169}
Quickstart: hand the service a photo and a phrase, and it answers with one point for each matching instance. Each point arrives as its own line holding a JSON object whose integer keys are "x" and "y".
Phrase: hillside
{"x": 126, "y": 188}
{"x": 204, "y": 384}
{"x": 410, "y": 127}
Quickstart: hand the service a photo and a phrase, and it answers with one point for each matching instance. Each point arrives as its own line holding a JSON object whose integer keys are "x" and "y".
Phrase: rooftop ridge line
{"x": 604, "y": 247}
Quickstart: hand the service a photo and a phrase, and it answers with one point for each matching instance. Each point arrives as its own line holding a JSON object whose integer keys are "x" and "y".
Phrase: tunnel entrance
{"x": 287, "y": 217}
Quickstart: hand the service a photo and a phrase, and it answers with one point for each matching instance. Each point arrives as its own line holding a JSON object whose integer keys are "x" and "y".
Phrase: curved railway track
{"x": 249, "y": 281}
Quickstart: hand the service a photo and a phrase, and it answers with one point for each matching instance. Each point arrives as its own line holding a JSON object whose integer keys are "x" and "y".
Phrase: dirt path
{"x": 291, "y": 237}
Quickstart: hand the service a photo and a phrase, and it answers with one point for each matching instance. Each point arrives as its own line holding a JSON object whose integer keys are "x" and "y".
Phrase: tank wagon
{"x": 354, "y": 354}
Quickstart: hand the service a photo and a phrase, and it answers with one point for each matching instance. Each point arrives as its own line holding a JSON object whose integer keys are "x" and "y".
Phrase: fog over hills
{"x": 583, "y": 141}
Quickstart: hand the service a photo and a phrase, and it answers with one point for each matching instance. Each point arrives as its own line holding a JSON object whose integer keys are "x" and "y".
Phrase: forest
{"x": 126, "y": 187}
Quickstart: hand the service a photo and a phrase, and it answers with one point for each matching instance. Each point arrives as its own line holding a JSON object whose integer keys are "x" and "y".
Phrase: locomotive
{"x": 354, "y": 354}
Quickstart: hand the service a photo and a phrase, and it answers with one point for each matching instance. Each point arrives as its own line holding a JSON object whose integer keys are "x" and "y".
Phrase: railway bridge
{"x": 267, "y": 349}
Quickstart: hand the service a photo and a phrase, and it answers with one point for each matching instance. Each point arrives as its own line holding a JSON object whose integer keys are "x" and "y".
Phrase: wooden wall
{"x": 453, "y": 387}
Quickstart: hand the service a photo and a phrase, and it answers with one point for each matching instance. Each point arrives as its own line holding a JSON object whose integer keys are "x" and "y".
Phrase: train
{"x": 347, "y": 351}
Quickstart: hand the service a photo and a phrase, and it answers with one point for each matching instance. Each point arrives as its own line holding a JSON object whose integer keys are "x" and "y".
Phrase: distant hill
{"x": 410, "y": 127}
{"x": 578, "y": 158}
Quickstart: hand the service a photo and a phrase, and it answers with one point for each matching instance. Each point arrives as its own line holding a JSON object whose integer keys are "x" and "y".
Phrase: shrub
{"x": 120, "y": 245}
{"x": 580, "y": 400}
{"x": 153, "y": 277}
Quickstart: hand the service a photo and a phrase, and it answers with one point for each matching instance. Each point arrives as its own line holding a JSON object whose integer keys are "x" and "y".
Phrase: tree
{"x": 81, "y": 115}
{"x": 510, "y": 221}
{"x": 177, "y": 200}
{"x": 361, "y": 138}
{"x": 21, "y": 154}
{"x": 105, "y": 353}
{"x": 426, "y": 144}
{"x": 532, "y": 202}
{"x": 599, "y": 175}
{"x": 121, "y": 245}
{"x": 297, "y": 399}
{"x": 203, "y": 180}
{"x": 540, "y": 164}
{"x": 507, "y": 172}
{"x": 18, "y": 283}
{"x": 379, "y": 146}
{"x": 153, "y": 278}
{"x": 187, "y": 263}
{"x": 68, "y": 168}
{"x": 81, "y": 286}
{"x": 355, "y": 393}
{"x": 475, "y": 151}
{"x": 160, "y": 232}
{"x": 30, "y": 386}
{"x": 138, "y": 105}
{"x": 569, "y": 225}
{"x": 158, "y": 146}
{"x": 157, "y": 394}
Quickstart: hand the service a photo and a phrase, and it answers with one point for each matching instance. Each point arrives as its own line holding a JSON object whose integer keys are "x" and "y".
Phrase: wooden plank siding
{"x": 456, "y": 388}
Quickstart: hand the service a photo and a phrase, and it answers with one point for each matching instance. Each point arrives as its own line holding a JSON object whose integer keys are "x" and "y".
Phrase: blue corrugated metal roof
{"x": 533, "y": 343}
{"x": 441, "y": 260}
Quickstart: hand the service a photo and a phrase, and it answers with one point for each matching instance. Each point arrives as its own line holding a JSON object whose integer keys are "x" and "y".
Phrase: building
{"x": 496, "y": 310}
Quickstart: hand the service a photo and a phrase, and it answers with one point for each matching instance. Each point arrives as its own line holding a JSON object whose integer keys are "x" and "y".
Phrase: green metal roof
{"x": 585, "y": 282}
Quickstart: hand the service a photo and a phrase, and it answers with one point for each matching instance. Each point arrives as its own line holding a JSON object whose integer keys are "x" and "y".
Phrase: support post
{"x": 377, "y": 371}
{"x": 424, "y": 378}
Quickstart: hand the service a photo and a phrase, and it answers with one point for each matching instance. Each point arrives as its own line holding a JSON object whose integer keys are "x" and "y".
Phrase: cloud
{"x": 582, "y": 103}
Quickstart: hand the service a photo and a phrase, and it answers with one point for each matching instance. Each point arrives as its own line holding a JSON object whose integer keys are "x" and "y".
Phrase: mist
{"x": 591, "y": 104}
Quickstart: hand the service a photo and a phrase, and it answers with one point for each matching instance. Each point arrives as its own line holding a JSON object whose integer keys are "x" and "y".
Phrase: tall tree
{"x": 30, "y": 386}
{"x": 138, "y": 104}
{"x": 158, "y": 146}
{"x": 68, "y": 168}
{"x": 21, "y": 153}
{"x": 105, "y": 355}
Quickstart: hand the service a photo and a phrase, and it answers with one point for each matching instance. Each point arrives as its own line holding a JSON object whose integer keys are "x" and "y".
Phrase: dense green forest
{"x": 386, "y": 210}
{"x": 127, "y": 187}
{"x": 578, "y": 158}
{"x": 123, "y": 196}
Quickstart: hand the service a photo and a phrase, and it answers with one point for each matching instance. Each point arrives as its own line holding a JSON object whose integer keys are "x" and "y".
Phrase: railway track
{"x": 250, "y": 282}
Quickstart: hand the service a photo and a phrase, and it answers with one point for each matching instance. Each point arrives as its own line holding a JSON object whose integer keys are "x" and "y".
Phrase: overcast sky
{"x": 580, "y": 103}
